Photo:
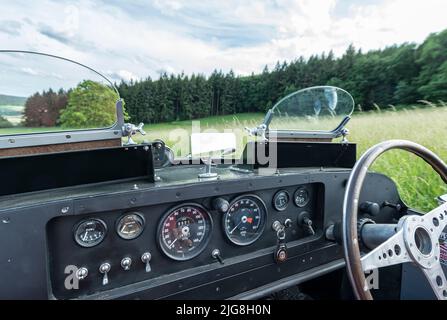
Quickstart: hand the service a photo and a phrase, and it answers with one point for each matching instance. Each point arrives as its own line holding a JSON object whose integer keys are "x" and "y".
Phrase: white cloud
{"x": 30, "y": 71}
{"x": 134, "y": 39}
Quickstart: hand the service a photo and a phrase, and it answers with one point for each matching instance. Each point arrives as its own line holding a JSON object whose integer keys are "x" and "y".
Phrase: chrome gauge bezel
{"x": 127, "y": 214}
{"x": 302, "y": 205}
{"x": 205, "y": 241}
{"x": 263, "y": 208}
{"x": 93, "y": 244}
{"x": 274, "y": 200}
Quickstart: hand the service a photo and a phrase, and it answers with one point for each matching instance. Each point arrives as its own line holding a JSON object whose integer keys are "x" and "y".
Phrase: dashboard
{"x": 178, "y": 238}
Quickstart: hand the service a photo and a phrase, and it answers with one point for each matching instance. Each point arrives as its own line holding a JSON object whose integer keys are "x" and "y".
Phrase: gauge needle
{"x": 85, "y": 236}
{"x": 170, "y": 246}
{"x": 231, "y": 232}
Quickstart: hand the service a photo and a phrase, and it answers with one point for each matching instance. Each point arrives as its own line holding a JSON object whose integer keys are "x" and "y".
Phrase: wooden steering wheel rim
{"x": 351, "y": 247}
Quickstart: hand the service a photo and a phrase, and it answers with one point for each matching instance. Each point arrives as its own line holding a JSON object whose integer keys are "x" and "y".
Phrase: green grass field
{"x": 417, "y": 182}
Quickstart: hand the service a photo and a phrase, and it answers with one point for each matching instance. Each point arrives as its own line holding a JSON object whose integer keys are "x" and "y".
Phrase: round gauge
{"x": 130, "y": 226}
{"x": 281, "y": 200}
{"x": 245, "y": 219}
{"x": 301, "y": 197}
{"x": 89, "y": 233}
{"x": 184, "y": 231}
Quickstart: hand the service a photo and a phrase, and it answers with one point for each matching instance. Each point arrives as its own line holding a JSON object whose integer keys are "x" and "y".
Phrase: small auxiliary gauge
{"x": 301, "y": 197}
{"x": 89, "y": 233}
{"x": 130, "y": 226}
{"x": 281, "y": 200}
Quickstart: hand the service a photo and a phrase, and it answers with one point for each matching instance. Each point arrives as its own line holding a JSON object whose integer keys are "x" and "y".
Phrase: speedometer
{"x": 245, "y": 220}
{"x": 184, "y": 231}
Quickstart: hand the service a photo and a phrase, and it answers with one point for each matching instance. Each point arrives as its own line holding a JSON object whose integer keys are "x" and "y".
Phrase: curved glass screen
{"x": 312, "y": 109}
{"x": 44, "y": 93}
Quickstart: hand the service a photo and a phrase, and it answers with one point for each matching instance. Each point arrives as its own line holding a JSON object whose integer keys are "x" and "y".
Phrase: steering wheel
{"x": 416, "y": 238}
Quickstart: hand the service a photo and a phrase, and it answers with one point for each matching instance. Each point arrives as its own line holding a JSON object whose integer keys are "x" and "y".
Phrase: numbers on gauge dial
{"x": 245, "y": 219}
{"x": 281, "y": 200}
{"x": 130, "y": 226}
{"x": 301, "y": 197}
{"x": 184, "y": 232}
{"x": 89, "y": 233}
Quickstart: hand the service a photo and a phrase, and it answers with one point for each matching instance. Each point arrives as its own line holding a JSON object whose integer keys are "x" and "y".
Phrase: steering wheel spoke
{"x": 417, "y": 238}
{"x": 437, "y": 280}
{"x": 437, "y": 219}
{"x": 390, "y": 252}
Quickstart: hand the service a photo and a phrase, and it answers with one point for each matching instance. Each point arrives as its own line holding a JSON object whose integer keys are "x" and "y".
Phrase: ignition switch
{"x": 280, "y": 254}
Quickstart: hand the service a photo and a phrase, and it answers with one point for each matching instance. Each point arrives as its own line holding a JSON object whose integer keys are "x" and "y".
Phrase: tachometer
{"x": 184, "y": 231}
{"x": 245, "y": 220}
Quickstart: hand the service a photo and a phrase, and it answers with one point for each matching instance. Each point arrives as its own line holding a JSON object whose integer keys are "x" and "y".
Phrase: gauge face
{"x": 301, "y": 197}
{"x": 89, "y": 233}
{"x": 245, "y": 220}
{"x": 281, "y": 200}
{"x": 184, "y": 232}
{"x": 130, "y": 226}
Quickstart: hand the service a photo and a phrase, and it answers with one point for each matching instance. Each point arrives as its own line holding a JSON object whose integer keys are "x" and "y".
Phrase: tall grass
{"x": 418, "y": 184}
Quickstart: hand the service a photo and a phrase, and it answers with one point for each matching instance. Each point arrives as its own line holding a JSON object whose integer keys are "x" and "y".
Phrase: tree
{"x": 90, "y": 105}
{"x": 398, "y": 74}
{"x": 436, "y": 89}
{"x": 4, "y": 123}
{"x": 42, "y": 109}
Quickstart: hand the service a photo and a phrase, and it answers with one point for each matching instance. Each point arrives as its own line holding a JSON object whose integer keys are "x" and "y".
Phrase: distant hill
{"x": 12, "y": 100}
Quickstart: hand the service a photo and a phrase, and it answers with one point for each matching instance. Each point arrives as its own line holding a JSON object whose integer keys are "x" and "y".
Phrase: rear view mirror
{"x": 208, "y": 144}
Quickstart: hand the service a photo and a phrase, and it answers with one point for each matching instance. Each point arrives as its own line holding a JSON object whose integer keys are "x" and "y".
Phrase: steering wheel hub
{"x": 421, "y": 241}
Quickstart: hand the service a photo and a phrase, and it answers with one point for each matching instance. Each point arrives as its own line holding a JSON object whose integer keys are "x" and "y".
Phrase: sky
{"x": 134, "y": 39}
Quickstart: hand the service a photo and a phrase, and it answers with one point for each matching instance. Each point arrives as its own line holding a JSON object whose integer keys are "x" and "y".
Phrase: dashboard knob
{"x": 105, "y": 269}
{"x": 126, "y": 263}
{"x": 146, "y": 259}
{"x": 221, "y": 205}
{"x": 82, "y": 273}
{"x": 371, "y": 208}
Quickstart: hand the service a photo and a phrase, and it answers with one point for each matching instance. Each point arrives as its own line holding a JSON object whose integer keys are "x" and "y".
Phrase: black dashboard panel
{"x": 66, "y": 252}
{"x": 41, "y": 229}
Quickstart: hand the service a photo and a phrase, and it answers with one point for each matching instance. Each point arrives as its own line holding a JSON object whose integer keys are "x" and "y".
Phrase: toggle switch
{"x": 105, "y": 269}
{"x": 82, "y": 273}
{"x": 216, "y": 255}
{"x": 305, "y": 222}
{"x": 146, "y": 259}
{"x": 126, "y": 263}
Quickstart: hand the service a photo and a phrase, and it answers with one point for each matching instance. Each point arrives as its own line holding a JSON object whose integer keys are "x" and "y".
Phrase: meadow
{"x": 418, "y": 184}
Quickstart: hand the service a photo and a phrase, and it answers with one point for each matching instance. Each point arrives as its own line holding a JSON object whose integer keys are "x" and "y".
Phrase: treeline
{"x": 42, "y": 109}
{"x": 400, "y": 74}
{"x": 89, "y": 105}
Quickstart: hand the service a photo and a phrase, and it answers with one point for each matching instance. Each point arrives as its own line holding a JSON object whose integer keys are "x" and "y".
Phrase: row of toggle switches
{"x": 105, "y": 267}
